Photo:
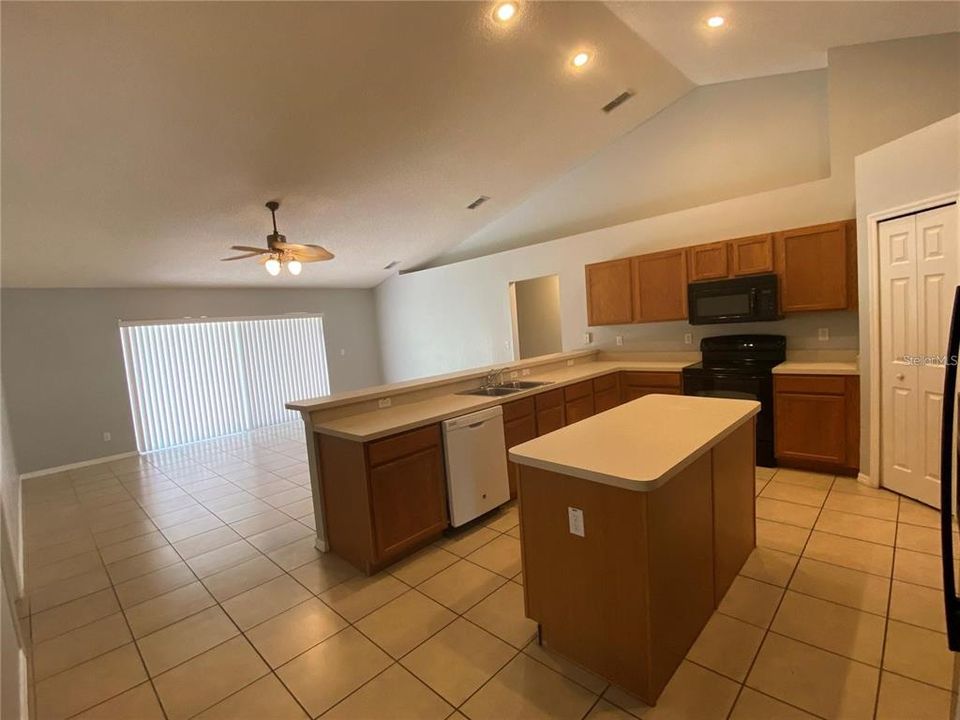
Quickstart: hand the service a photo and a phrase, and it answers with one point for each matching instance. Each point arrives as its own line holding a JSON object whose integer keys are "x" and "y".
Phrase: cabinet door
{"x": 815, "y": 270}
{"x": 579, "y": 409}
{"x": 606, "y": 399}
{"x": 810, "y": 427}
{"x": 708, "y": 262}
{"x": 549, "y": 420}
{"x": 816, "y": 420}
{"x": 608, "y": 293}
{"x": 752, "y": 255}
{"x": 408, "y": 500}
{"x": 660, "y": 286}
{"x": 515, "y": 432}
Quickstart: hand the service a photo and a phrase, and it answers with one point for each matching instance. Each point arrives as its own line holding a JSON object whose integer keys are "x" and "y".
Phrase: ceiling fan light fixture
{"x": 294, "y": 267}
{"x": 273, "y": 266}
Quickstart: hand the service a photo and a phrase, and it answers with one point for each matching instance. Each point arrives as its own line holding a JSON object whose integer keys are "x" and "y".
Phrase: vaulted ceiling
{"x": 140, "y": 140}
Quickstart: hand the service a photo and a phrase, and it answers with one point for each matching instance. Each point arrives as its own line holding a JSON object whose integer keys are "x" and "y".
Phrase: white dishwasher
{"x": 476, "y": 460}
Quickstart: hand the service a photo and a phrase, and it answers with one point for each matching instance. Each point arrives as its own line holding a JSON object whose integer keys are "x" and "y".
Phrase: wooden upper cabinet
{"x": 752, "y": 255}
{"x": 708, "y": 262}
{"x": 660, "y": 286}
{"x": 817, "y": 267}
{"x": 608, "y": 293}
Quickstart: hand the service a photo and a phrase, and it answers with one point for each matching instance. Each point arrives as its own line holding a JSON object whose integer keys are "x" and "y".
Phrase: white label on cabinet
{"x": 575, "y": 518}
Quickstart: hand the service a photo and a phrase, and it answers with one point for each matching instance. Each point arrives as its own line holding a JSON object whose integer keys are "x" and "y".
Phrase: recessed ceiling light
{"x": 715, "y": 21}
{"x": 580, "y": 59}
{"x": 505, "y": 12}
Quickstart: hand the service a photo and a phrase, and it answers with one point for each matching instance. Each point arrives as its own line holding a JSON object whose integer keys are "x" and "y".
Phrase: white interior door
{"x": 918, "y": 272}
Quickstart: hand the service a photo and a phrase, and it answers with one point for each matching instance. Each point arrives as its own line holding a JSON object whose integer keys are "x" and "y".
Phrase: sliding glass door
{"x": 196, "y": 379}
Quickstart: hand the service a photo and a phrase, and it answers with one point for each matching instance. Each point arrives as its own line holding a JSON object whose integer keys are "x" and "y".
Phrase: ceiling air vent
{"x": 477, "y": 203}
{"x": 618, "y": 101}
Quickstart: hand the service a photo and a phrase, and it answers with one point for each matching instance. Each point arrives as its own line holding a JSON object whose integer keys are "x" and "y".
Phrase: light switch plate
{"x": 525, "y": 372}
{"x": 620, "y": 340}
{"x": 688, "y": 338}
{"x": 569, "y": 363}
{"x": 823, "y": 334}
{"x": 384, "y": 403}
{"x": 587, "y": 338}
{"x": 575, "y": 520}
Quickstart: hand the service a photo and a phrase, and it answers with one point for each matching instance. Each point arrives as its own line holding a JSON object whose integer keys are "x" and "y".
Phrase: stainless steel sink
{"x": 525, "y": 384}
{"x": 497, "y": 391}
{"x": 507, "y": 388}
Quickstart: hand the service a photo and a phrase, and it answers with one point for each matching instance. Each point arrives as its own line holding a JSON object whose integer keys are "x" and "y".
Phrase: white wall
{"x": 911, "y": 169}
{"x": 63, "y": 365}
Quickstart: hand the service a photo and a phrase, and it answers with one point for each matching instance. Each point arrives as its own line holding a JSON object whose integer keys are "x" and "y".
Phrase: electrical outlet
{"x": 525, "y": 372}
{"x": 575, "y": 520}
{"x": 107, "y": 437}
{"x": 343, "y": 352}
{"x": 514, "y": 375}
{"x": 569, "y": 363}
{"x": 620, "y": 340}
{"x": 384, "y": 403}
{"x": 688, "y": 338}
{"x": 823, "y": 334}
{"x": 587, "y": 338}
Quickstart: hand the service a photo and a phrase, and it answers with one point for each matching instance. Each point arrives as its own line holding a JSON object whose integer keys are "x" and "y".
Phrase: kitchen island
{"x": 633, "y": 525}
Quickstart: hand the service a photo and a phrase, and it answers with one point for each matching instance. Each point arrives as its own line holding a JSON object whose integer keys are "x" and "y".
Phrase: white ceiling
{"x": 140, "y": 140}
{"x": 769, "y": 38}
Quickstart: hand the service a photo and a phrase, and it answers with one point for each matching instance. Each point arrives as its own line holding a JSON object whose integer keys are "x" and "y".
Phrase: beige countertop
{"x": 813, "y": 367}
{"x": 367, "y": 426}
{"x": 638, "y": 445}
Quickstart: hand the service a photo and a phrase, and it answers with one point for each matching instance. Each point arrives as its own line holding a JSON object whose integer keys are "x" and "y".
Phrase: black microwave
{"x": 738, "y": 300}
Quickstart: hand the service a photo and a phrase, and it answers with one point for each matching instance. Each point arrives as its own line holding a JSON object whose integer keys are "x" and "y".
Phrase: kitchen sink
{"x": 497, "y": 391}
{"x": 525, "y": 384}
{"x": 507, "y": 388}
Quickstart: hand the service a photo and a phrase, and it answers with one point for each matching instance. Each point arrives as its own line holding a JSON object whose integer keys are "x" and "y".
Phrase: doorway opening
{"x": 192, "y": 380}
{"x": 535, "y": 309}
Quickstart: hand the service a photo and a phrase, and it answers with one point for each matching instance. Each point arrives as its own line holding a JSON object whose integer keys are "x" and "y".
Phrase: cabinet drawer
{"x": 549, "y": 399}
{"x": 810, "y": 384}
{"x": 549, "y": 420}
{"x": 396, "y": 446}
{"x": 579, "y": 409}
{"x": 605, "y": 382}
{"x": 518, "y": 409}
{"x": 652, "y": 379}
{"x": 578, "y": 390}
{"x": 606, "y": 399}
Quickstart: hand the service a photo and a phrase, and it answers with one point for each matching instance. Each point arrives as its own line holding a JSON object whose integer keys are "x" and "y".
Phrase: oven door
{"x": 741, "y": 387}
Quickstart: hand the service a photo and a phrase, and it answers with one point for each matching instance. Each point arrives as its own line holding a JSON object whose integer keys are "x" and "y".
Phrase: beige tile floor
{"x": 185, "y": 584}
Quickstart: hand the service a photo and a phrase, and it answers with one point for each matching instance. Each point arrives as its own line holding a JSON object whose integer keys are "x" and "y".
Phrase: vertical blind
{"x": 196, "y": 379}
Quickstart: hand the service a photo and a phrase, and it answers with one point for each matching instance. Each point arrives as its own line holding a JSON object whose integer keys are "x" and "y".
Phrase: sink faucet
{"x": 494, "y": 378}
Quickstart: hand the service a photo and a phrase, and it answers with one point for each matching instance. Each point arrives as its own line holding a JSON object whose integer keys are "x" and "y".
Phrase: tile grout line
{"x": 773, "y": 618}
{"x": 886, "y": 619}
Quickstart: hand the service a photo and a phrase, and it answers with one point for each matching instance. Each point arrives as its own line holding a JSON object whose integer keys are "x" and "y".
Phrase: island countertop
{"x": 638, "y": 445}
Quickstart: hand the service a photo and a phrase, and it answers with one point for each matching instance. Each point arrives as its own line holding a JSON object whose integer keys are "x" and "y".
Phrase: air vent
{"x": 391, "y": 265}
{"x": 477, "y": 203}
{"x": 618, "y": 101}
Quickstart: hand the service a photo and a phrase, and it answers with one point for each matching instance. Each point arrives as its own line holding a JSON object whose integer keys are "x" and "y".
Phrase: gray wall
{"x": 63, "y": 366}
{"x": 538, "y": 316}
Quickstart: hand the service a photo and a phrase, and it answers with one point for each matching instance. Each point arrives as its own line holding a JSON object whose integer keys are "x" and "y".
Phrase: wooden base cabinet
{"x": 578, "y": 402}
{"x": 606, "y": 392}
{"x": 384, "y": 498}
{"x": 550, "y": 415}
{"x": 817, "y": 422}
{"x": 635, "y": 385}
{"x": 519, "y": 425}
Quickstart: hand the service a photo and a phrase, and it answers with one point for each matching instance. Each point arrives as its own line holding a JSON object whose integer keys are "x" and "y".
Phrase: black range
{"x": 740, "y": 366}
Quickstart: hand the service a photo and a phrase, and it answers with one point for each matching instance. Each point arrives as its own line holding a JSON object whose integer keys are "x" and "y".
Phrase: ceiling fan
{"x": 279, "y": 252}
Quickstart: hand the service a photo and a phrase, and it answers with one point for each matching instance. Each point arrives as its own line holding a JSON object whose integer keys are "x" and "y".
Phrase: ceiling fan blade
{"x": 315, "y": 252}
{"x": 239, "y": 257}
{"x": 253, "y": 250}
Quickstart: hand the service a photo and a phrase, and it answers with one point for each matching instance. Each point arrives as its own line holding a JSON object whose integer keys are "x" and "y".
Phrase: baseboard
{"x": 865, "y": 480}
{"x": 82, "y": 463}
